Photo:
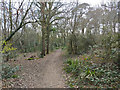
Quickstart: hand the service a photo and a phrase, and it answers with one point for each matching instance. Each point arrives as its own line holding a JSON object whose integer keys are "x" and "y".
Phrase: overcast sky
{"x": 91, "y": 2}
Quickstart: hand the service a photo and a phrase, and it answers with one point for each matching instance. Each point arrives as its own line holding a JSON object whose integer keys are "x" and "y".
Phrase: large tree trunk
{"x": 4, "y": 31}
{"x": 83, "y": 31}
{"x": 48, "y": 40}
{"x": 43, "y": 30}
{"x": 43, "y": 43}
{"x": 4, "y": 16}
{"x": 75, "y": 44}
{"x": 10, "y": 16}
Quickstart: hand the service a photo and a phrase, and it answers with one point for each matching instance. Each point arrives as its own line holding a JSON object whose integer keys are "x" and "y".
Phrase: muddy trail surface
{"x": 45, "y": 72}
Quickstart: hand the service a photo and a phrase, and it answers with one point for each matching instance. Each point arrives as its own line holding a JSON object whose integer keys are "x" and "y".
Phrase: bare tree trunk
{"x": 43, "y": 43}
{"x": 83, "y": 31}
{"x": 4, "y": 16}
{"x": 114, "y": 27}
{"x": 43, "y": 30}
{"x": 48, "y": 40}
{"x": 10, "y": 15}
{"x": 4, "y": 31}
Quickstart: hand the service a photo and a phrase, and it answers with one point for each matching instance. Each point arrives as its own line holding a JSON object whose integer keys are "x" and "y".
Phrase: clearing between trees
{"x": 41, "y": 73}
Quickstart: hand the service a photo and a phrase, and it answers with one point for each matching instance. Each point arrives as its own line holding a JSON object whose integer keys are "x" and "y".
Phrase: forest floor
{"x": 45, "y": 72}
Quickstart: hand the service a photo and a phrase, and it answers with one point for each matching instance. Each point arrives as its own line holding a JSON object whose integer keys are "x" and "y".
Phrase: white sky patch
{"x": 91, "y": 2}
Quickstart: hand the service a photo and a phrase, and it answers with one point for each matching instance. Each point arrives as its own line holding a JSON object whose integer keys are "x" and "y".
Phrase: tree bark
{"x": 43, "y": 29}
{"x": 43, "y": 43}
{"x": 4, "y": 16}
{"x": 10, "y": 15}
{"x": 48, "y": 40}
{"x": 83, "y": 31}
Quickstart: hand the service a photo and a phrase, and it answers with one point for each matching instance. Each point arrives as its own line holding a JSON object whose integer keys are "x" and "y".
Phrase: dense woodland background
{"x": 76, "y": 28}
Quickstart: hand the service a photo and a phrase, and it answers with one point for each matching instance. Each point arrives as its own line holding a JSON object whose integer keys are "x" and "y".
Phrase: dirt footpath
{"x": 42, "y": 73}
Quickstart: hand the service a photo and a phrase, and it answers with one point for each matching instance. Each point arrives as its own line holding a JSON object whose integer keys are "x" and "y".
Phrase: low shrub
{"x": 91, "y": 74}
{"x": 79, "y": 44}
{"x": 107, "y": 48}
{"x": 8, "y": 71}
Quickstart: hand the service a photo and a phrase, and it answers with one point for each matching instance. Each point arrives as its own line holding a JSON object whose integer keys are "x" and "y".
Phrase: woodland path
{"x": 42, "y": 73}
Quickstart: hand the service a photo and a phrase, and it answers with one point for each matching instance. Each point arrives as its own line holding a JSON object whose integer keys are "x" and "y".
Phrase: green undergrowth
{"x": 9, "y": 71}
{"x": 32, "y": 58}
{"x": 82, "y": 73}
